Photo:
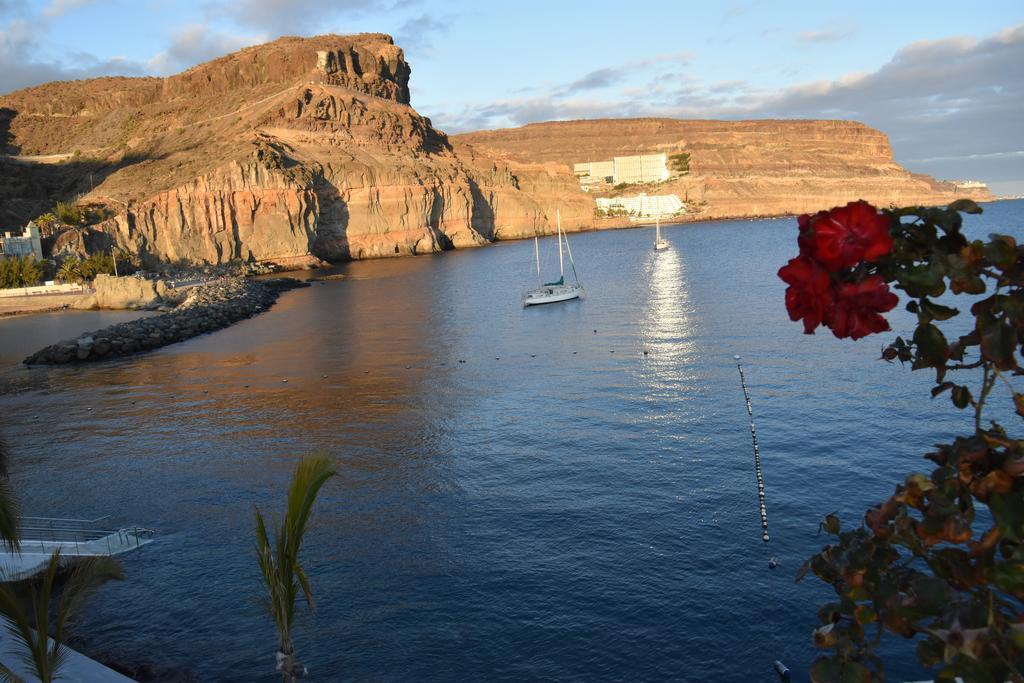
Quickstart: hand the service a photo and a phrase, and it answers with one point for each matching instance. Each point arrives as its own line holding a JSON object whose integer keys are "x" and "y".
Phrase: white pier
{"x": 77, "y": 668}
{"x": 74, "y": 538}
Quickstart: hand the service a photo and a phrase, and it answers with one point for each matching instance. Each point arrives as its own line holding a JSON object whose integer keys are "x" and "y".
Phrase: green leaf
{"x": 836, "y": 671}
{"x": 922, "y": 280}
{"x": 937, "y": 312}
{"x": 931, "y": 594}
{"x": 1001, "y": 251}
{"x": 1008, "y": 511}
{"x": 864, "y": 614}
{"x": 997, "y": 344}
{"x": 961, "y": 397}
{"x": 969, "y": 283}
{"x": 931, "y": 344}
{"x": 965, "y": 206}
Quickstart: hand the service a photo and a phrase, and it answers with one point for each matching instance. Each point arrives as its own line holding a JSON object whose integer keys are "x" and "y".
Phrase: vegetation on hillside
{"x": 942, "y": 560}
{"x": 24, "y": 271}
{"x": 680, "y": 163}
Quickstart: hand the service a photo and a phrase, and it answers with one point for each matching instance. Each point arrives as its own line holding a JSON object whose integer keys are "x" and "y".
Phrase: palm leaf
{"x": 8, "y": 505}
{"x": 8, "y": 676}
{"x": 280, "y": 569}
{"x": 28, "y": 620}
{"x": 86, "y": 578}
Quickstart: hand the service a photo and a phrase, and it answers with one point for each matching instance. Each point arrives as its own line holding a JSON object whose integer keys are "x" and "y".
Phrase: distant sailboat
{"x": 659, "y": 243}
{"x": 551, "y": 292}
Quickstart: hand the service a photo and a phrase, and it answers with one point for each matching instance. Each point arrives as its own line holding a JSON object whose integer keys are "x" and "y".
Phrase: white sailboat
{"x": 551, "y": 292}
{"x": 659, "y": 243}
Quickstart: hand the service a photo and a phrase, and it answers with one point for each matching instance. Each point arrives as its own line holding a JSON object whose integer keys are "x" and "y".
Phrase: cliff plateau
{"x": 296, "y": 151}
{"x": 736, "y": 168}
{"x": 307, "y": 149}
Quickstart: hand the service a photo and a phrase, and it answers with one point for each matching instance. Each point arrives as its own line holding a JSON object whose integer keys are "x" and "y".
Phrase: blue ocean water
{"x": 558, "y": 506}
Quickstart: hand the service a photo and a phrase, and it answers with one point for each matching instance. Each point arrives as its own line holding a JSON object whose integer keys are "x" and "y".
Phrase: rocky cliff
{"x": 295, "y": 151}
{"x": 736, "y": 168}
{"x": 307, "y": 149}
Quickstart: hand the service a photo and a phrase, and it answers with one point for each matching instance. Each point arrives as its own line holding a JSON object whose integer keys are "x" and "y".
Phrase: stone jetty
{"x": 207, "y": 308}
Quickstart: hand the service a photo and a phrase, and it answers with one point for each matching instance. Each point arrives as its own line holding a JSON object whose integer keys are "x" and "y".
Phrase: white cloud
{"x": 417, "y": 33}
{"x": 951, "y": 107}
{"x": 58, "y": 8}
{"x": 825, "y": 35}
{"x": 20, "y": 66}
{"x": 195, "y": 44}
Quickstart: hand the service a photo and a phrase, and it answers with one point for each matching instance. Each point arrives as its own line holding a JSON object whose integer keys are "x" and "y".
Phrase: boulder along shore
{"x": 208, "y": 308}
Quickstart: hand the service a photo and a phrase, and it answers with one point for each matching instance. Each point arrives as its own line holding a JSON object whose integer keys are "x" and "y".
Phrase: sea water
{"x": 560, "y": 492}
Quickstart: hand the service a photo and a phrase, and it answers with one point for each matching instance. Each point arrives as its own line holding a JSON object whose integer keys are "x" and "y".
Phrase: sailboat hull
{"x": 551, "y": 295}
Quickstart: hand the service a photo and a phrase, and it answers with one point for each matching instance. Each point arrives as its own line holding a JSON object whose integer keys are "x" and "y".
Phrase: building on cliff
{"x": 641, "y": 206}
{"x": 968, "y": 185}
{"x": 642, "y": 168}
{"x": 26, "y": 244}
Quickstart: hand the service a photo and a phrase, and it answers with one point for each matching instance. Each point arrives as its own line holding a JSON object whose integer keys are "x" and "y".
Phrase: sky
{"x": 945, "y": 80}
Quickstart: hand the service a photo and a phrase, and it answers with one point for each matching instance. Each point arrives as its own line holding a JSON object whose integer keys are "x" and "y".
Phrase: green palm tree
{"x": 70, "y": 270}
{"x": 283, "y": 575}
{"x": 30, "y": 619}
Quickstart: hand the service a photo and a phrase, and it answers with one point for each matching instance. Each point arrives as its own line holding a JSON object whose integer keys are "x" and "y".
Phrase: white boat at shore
{"x": 553, "y": 292}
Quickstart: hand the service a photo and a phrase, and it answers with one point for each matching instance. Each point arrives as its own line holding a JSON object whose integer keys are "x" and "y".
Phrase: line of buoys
{"x": 757, "y": 454}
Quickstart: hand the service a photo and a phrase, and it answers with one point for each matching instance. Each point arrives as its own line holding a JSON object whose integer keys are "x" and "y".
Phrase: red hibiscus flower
{"x": 809, "y": 294}
{"x": 844, "y": 236}
{"x": 855, "y": 313}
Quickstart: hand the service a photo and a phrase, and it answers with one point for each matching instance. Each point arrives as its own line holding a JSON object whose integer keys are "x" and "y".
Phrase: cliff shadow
{"x": 482, "y": 220}
{"x": 29, "y": 188}
{"x": 330, "y": 242}
{"x": 7, "y": 145}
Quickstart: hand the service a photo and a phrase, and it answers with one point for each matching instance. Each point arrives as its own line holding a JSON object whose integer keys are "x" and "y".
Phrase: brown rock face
{"x": 307, "y": 149}
{"x": 301, "y": 149}
{"x": 737, "y": 168}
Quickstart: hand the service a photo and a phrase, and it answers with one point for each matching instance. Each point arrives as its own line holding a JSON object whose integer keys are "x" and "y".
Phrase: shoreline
{"x": 208, "y": 308}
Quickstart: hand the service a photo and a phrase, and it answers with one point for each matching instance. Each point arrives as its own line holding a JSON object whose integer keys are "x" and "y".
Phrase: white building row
{"x": 26, "y": 244}
{"x": 643, "y": 168}
{"x": 643, "y": 205}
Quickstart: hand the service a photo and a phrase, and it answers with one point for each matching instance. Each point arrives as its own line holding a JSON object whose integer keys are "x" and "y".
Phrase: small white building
{"x": 642, "y": 168}
{"x": 19, "y": 246}
{"x": 642, "y": 206}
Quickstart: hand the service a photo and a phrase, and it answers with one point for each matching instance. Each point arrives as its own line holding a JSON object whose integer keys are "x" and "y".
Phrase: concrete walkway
{"x": 77, "y": 667}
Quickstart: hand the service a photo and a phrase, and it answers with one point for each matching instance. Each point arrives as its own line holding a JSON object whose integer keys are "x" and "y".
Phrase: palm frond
{"x": 281, "y": 571}
{"x": 8, "y": 505}
{"x": 29, "y": 619}
{"x": 8, "y": 676}
{"x": 86, "y": 578}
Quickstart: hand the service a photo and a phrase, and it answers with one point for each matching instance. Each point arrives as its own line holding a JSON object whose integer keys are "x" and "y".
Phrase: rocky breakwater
{"x": 208, "y": 308}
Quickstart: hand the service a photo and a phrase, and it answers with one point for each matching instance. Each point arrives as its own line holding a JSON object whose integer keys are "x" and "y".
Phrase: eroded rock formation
{"x": 737, "y": 168}
{"x": 307, "y": 149}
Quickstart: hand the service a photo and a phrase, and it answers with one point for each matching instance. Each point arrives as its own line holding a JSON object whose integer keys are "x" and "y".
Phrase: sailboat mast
{"x": 657, "y": 227}
{"x": 536, "y": 253}
{"x": 558, "y": 218}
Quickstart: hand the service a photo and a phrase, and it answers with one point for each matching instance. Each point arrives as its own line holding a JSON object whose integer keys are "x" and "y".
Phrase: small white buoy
{"x": 736, "y": 357}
